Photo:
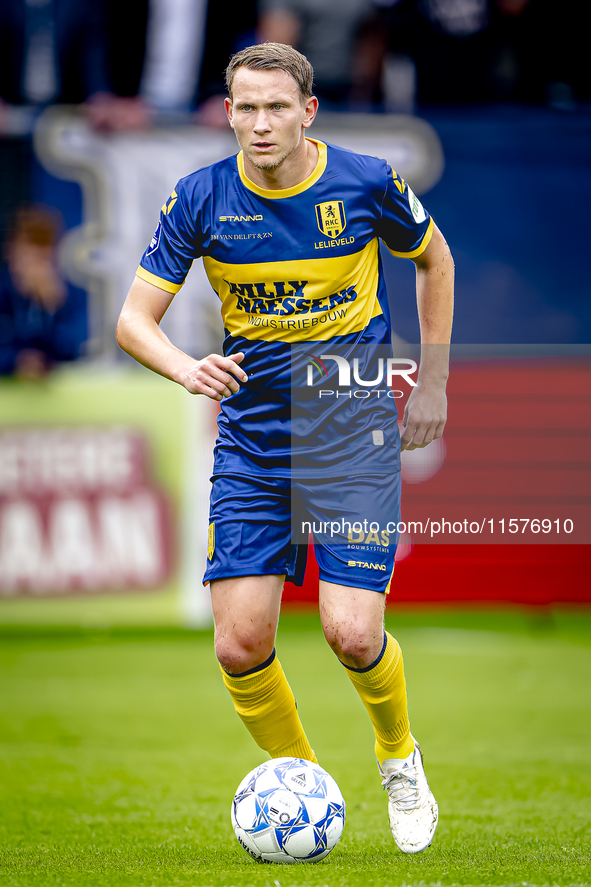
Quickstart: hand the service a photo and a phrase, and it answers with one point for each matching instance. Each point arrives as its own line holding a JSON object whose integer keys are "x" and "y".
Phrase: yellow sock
{"x": 382, "y": 689}
{"x": 266, "y": 704}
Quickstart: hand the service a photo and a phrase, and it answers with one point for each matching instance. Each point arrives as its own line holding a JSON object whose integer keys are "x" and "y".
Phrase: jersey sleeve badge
{"x": 211, "y": 541}
{"x": 155, "y": 241}
{"x": 416, "y": 207}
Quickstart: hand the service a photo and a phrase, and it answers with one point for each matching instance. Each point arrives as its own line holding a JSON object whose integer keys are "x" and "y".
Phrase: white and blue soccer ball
{"x": 288, "y": 810}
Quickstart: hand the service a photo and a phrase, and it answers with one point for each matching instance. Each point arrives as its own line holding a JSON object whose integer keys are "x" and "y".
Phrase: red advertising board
{"x": 79, "y": 512}
{"x": 500, "y": 509}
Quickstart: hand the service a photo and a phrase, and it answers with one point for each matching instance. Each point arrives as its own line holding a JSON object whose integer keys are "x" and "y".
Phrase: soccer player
{"x": 289, "y": 232}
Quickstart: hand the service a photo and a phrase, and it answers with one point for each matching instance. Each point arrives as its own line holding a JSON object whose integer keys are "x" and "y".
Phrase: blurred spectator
{"x": 168, "y": 57}
{"x": 225, "y": 34}
{"x": 182, "y": 36}
{"x": 159, "y": 57}
{"x": 124, "y": 64}
{"x": 541, "y": 53}
{"x": 42, "y": 319}
{"x": 58, "y": 51}
{"x": 460, "y": 51}
{"x": 333, "y": 36}
{"x": 173, "y": 53}
{"x": 448, "y": 41}
{"x": 453, "y": 54}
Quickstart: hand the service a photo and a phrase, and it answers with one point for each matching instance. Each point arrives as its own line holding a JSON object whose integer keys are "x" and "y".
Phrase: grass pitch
{"x": 120, "y": 754}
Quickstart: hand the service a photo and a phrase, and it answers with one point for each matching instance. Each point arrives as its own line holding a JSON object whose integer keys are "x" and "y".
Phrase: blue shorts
{"x": 262, "y": 525}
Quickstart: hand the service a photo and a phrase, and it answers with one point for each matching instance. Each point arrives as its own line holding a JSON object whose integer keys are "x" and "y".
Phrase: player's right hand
{"x": 215, "y": 376}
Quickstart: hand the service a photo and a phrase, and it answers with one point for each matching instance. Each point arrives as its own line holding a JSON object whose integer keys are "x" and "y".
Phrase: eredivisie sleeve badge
{"x": 331, "y": 218}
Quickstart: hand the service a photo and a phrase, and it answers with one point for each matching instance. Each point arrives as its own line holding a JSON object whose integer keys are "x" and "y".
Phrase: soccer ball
{"x": 288, "y": 810}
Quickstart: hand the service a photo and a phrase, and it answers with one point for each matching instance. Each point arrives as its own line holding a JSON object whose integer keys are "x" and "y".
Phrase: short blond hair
{"x": 267, "y": 56}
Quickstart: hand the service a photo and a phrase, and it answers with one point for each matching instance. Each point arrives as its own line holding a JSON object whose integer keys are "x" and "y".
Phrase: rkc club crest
{"x": 331, "y": 217}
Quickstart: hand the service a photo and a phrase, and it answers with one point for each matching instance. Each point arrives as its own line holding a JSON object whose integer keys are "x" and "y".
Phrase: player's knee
{"x": 352, "y": 645}
{"x": 242, "y": 650}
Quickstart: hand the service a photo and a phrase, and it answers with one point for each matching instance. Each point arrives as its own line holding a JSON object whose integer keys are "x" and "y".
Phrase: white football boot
{"x": 412, "y": 808}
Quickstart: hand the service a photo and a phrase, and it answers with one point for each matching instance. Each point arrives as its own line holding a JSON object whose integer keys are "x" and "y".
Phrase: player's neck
{"x": 294, "y": 170}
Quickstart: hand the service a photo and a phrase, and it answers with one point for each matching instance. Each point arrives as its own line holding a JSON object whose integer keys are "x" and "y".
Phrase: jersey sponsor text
{"x": 285, "y": 298}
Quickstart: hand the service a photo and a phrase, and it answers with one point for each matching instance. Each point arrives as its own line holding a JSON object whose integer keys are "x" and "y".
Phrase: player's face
{"x": 268, "y": 115}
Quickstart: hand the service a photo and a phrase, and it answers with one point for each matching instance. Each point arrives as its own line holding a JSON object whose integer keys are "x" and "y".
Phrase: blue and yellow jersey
{"x": 297, "y": 271}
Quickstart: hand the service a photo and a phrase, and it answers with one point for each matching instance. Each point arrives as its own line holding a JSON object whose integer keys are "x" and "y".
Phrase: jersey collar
{"x": 278, "y": 193}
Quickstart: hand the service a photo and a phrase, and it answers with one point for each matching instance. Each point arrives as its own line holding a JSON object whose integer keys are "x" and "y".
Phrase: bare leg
{"x": 353, "y": 624}
{"x": 246, "y": 612}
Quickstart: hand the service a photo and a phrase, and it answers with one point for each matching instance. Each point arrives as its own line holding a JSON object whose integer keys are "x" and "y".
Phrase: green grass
{"x": 120, "y": 753}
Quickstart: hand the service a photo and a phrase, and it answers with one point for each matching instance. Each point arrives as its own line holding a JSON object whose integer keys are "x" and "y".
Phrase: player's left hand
{"x": 424, "y": 417}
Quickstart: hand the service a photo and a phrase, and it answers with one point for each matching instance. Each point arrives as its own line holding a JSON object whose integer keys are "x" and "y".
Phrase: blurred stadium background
{"x": 104, "y": 468}
{"x": 483, "y": 106}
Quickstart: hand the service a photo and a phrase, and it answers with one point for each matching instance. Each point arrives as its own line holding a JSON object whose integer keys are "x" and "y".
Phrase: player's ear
{"x": 229, "y": 111}
{"x": 310, "y": 109}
